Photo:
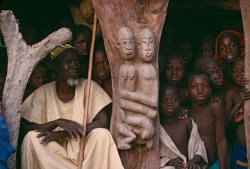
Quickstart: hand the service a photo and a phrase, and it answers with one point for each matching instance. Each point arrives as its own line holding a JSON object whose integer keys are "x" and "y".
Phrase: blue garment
{"x": 5, "y": 148}
{"x": 215, "y": 165}
{"x": 239, "y": 157}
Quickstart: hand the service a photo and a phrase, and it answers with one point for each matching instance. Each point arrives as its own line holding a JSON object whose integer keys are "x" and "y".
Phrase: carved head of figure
{"x": 126, "y": 44}
{"x": 146, "y": 45}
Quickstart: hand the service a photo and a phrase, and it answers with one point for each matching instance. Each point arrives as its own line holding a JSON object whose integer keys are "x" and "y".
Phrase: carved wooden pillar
{"x": 245, "y": 12}
{"x": 134, "y": 26}
{"x": 22, "y": 59}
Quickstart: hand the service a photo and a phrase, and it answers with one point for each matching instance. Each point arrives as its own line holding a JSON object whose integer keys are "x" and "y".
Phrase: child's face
{"x": 169, "y": 101}
{"x": 207, "y": 49}
{"x": 228, "y": 48}
{"x": 82, "y": 44}
{"x": 38, "y": 77}
{"x": 174, "y": 70}
{"x": 216, "y": 74}
{"x": 199, "y": 89}
{"x": 238, "y": 71}
{"x": 186, "y": 49}
{"x": 2, "y": 80}
{"x": 101, "y": 65}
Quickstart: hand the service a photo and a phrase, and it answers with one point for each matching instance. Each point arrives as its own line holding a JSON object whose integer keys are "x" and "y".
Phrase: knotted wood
{"x": 22, "y": 59}
{"x": 136, "y": 15}
{"x": 245, "y": 12}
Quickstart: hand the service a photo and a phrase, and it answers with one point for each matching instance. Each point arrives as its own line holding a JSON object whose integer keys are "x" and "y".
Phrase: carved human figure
{"x": 126, "y": 48}
{"x": 128, "y": 76}
{"x": 148, "y": 83}
{"x": 138, "y": 106}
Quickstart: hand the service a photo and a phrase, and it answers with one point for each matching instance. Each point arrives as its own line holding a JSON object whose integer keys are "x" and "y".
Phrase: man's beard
{"x": 72, "y": 82}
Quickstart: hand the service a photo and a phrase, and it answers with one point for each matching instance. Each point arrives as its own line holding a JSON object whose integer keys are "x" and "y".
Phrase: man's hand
{"x": 192, "y": 165}
{"x": 177, "y": 163}
{"x": 73, "y": 128}
{"x": 50, "y": 136}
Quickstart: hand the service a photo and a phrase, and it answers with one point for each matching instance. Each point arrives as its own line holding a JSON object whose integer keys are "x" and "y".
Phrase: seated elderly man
{"x": 55, "y": 112}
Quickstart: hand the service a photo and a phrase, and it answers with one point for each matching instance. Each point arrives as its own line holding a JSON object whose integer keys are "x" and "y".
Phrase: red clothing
{"x": 242, "y": 44}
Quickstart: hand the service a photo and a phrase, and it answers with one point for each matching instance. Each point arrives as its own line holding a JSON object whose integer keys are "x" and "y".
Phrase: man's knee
{"x": 100, "y": 134}
{"x": 30, "y": 137}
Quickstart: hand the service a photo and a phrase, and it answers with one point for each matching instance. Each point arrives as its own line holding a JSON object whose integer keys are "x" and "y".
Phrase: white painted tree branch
{"x": 21, "y": 61}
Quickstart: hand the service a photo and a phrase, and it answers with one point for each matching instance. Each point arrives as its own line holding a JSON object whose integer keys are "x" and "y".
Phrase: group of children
{"x": 214, "y": 103}
{"x": 211, "y": 87}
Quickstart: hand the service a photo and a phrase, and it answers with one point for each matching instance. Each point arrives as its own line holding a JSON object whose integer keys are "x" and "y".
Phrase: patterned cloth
{"x": 239, "y": 157}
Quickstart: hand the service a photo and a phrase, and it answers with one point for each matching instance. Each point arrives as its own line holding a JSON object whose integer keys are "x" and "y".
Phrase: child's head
{"x": 38, "y": 77}
{"x": 238, "y": 71}
{"x": 81, "y": 38}
{"x": 207, "y": 46}
{"x": 169, "y": 99}
{"x": 187, "y": 50}
{"x": 211, "y": 66}
{"x": 228, "y": 46}
{"x": 198, "y": 86}
{"x": 101, "y": 66}
{"x": 174, "y": 68}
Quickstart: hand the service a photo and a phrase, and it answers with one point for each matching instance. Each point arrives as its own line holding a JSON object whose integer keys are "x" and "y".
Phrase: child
{"x": 187, "y": 51}
{"x": 235, "y": 98}
{"x": 207, "y": 46}
{"x": 101, "y": 69}
{"x": 81, "y": 39}
{"x": 180, "y": 143}
{"x": 211, "y": 66}
{"x": 174, "y": 72}
{"x": 37, "y": 79}
{"x": 229, "y": 46}
{"x": 209, "y": 116}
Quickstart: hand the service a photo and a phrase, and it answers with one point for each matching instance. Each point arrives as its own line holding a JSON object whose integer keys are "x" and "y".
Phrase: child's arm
{"x": 232, "y": 105}
{"x": 221, "y": 142}
{"x": 194, "y": 162}
{"x": 239, "y": 115}
{"x": 245, "y": 95}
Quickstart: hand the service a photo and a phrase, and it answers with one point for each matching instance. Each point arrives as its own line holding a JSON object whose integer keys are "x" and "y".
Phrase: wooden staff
{"x": 86, "y": 105}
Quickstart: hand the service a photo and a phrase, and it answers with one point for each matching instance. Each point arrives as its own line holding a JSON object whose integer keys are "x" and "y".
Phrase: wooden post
{"x": 22, "y": 59}
{"x": 86, "y": 99}
{"x": 140, "y": 22}
{"x": 245, "y": 12}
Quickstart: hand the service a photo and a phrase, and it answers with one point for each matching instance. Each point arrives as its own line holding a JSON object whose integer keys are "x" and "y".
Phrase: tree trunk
{"x": 245, "y": 12}
{"x": 22, "y": 59}
{"x": 135, "y": 81}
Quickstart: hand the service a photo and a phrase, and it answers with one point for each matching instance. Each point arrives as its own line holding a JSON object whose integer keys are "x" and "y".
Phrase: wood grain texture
{"x": 245, "y": 12}
{"x": 136, "y": 15}
{"x": 22, "y": 59}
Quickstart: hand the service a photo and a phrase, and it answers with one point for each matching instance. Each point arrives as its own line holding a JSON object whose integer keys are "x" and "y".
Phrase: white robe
{"x": 44, "y": 106}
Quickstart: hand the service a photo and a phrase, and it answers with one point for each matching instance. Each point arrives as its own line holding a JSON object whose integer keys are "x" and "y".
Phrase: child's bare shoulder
{"x": 216, "y": 107}
{"x": 231, "y": 91}
{"x": 187, "y": 122}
